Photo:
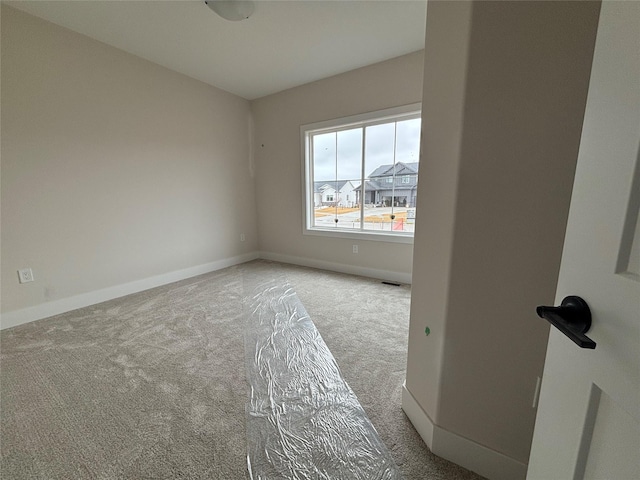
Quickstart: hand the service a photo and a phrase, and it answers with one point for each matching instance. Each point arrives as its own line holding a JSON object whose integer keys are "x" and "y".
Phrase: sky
{"x": 378, "y": 149}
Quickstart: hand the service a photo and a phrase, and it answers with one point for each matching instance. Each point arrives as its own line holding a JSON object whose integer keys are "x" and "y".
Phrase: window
{"x": 370, "y": 163}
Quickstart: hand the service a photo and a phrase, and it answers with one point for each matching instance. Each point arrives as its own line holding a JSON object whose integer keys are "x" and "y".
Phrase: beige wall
{"x": 504, "y": 95}
{"x": 114, "y": 169}
{"x": 279, "y": 189}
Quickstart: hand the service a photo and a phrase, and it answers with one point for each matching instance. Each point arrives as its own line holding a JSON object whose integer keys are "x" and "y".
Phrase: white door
{"x": 588, "y": 423}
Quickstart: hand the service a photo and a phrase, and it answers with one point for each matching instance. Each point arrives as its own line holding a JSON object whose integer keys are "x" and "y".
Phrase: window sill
{"x": 405, "y": 238}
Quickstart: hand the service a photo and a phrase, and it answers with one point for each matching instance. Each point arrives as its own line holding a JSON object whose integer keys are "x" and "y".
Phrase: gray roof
{"x": 399, "y": 168}
{"x": 372, "y": 185}
{"x": 335, "y": 184}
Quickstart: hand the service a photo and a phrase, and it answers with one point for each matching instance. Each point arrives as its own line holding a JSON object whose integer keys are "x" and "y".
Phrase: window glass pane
{"x": 349, "y": 173}
{"x": 378, "y": 163}
{"x": 349, "y": 154}
{"x": 379, "y": 166}
{"x": 324, "y": 156}
{"x": 337, "y": 165}
{"x": 391, "y": 166}
{"x": 408, "y": 152}
{"x": 407, "y": 158}
{"x": 378, "y": 151}
{"x": 408, "y": 143}
{"x": 324, "y": 174}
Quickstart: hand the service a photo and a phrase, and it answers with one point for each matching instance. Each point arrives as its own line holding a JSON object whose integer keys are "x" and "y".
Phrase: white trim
{"x": 370, "y": 118}
{"x": 44, "y": 310}
{"x": 460, "y": 450}
{"x": 418, "y": 417}
{"x": 477, "y": 458}
{"x": 360, "y": 235}
{"x": 400, "y": 277}
{"x": 403, "y": 112}
{"x": 49, "y": 309}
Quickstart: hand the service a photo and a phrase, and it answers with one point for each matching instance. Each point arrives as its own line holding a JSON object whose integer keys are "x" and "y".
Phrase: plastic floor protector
{"x": 303, "y": 420}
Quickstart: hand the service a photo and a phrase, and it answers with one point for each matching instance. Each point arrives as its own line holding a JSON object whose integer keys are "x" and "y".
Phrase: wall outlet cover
{"x": 25, "y": 275}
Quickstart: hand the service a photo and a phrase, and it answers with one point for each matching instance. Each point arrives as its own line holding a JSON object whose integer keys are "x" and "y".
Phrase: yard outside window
{"x": 361, "y": 174}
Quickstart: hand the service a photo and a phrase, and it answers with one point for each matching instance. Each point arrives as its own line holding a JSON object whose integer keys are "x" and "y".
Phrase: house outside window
{"x": 361, "y": 175}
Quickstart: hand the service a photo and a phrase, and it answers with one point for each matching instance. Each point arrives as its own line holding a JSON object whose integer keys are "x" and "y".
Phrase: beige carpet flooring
{"x": 153, "y": 385}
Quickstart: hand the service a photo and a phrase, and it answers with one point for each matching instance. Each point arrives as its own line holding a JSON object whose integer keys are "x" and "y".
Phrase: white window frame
{"x": 404, "y": 112}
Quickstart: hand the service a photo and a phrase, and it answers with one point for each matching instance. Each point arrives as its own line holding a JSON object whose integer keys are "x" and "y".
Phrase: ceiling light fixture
{"x": 233, "y": 10}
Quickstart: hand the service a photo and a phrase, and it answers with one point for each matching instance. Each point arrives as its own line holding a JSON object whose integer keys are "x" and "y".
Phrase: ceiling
{"x": 282, "y": 45}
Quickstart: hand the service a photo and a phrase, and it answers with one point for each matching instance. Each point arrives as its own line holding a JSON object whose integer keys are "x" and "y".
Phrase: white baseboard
{"x": 56, "y": 307}
{"x": 399, "y": 277}
{"x": 419, "y": 418}
{"x": 462, "y": 451}
{"x": 48, "y": 309}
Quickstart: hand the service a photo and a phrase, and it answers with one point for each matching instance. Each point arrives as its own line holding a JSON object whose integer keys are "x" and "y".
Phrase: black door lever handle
{"x": 572, "y": 317}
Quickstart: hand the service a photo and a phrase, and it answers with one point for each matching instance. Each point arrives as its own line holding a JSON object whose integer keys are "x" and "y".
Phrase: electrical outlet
{"x": 242, "y": 237}
{"x": 25, "y": 275}
{"x": 355, "y": 249}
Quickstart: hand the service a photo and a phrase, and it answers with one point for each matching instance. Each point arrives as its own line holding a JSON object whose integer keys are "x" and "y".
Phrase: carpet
{"x": 153, "y": 385}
